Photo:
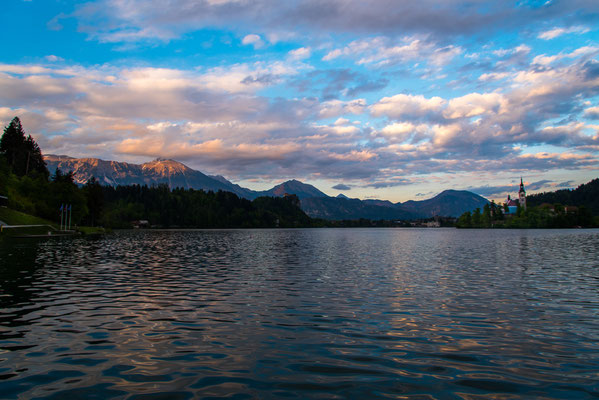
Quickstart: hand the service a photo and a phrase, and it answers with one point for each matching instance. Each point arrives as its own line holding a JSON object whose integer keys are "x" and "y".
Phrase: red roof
{"x": 512, "y": 202}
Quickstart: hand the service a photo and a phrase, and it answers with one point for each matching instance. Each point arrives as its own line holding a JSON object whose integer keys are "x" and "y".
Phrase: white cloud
{"x": 341, "y": 130}
{"x": 585, "y": 51}
{"x": 354, "y": 155}
{"x": 408, "y": 105}
{"x": 398, "y": 129}
{"x": 444, "y": 55}
{"x": 493, "y": 76}
{"x": 300, "y": 54}
{"x": 216, "y": 149}
{"x": 53, "y": 58}
{"x": 335, "y": 108}
{"x": 444, "y": 134}
{"x": 400, "y": 132}
{"x": 331, "y": 55}
{"x": 556, "y": 32}
{"x": 475, "y": 104}
{"x": 521, "y": 49}
{"x": 381, "y": 51}
{"x": 592, "y": 112}
{"x": 253, "y": 40}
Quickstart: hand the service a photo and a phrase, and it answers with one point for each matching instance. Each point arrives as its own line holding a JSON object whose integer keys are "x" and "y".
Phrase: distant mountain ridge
{"x": 447, "y": 203}
{"x": 334, "y": 208}
{"x": 159, "y": 171}
{"x": 314, "y": 202}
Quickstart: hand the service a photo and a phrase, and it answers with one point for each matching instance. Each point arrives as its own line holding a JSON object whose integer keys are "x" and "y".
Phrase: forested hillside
{"x": 189, "y": 208}
{"x": 584, "y": 195}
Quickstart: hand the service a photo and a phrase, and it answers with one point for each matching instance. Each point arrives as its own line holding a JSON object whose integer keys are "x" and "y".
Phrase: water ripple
{"x": 326, "y": 313}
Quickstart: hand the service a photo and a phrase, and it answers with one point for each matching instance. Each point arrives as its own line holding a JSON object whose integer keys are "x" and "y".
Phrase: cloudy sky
{"x": 391, "y": 99}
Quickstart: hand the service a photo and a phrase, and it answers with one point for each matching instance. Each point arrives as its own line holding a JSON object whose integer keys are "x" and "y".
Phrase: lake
{"x": 306, "y": 313}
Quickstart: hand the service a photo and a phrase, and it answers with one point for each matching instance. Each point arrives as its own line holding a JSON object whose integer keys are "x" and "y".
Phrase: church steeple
{"x": 522, "y": 195}
{"x": 521, "y": 186}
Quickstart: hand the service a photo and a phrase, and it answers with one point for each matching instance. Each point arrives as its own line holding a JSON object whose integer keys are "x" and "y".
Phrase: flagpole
{"x": 70, "y": 215}
{"x": 61, "y": 213}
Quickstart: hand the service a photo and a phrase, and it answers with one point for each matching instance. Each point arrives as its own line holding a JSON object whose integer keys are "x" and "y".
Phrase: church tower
{"x": 522, "y": 195}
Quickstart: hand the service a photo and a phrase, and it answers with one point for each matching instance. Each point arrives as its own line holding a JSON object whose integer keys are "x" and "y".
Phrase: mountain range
{"x": 315, "y": 203}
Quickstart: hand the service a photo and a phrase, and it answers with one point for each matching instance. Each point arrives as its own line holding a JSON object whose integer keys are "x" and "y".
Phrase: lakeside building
{"x": 142, "y": 223}
{"x": 513, "y": 204}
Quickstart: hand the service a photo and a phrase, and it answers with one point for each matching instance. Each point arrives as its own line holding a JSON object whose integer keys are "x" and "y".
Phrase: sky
{"x": 386, "y": 99}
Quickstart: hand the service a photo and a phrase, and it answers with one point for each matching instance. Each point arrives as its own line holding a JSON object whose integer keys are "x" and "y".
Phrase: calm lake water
{"x": 315, "y": 313}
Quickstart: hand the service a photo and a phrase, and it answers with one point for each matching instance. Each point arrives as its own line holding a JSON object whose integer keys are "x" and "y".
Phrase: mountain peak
{"x": 447, "y": 203}
{"x": 162, "y": 160}
{"x": 293, "y": 186}
{"x": 156, "y": 172}
{"x": 165, "y": 166}
{"x": 464, "y": 194}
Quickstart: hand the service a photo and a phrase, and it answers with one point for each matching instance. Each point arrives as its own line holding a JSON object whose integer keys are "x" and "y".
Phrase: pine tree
{"x": 11, "y": 143}
{"x": 22, "y": 154}
{"x": 487, "y": 218}
{"x": 35, "y": 158}
{"x": 95, "y": 200}
{"x": 477, "y": 218}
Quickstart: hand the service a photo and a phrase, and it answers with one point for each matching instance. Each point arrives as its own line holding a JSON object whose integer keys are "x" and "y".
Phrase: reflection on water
{"x": 325, "y": 313}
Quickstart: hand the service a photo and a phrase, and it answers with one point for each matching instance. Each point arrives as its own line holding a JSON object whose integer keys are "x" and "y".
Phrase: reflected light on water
{"x": 325, "y": 313}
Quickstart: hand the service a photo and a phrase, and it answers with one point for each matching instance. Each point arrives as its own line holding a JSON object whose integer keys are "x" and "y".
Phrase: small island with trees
{"x": 577, "y": 208}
